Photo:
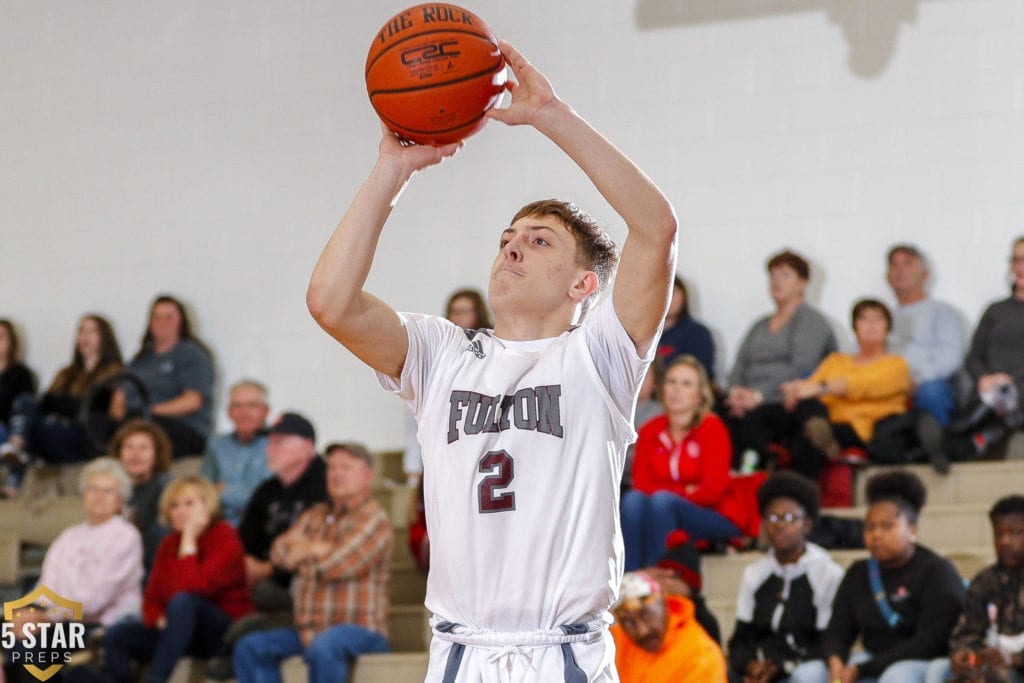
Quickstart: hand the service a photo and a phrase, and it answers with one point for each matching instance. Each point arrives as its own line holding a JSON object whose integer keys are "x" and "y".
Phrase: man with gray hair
{"x": 236, "y": 462}
{"x": 930, "y": 335}
{"x": 340, "y": 551}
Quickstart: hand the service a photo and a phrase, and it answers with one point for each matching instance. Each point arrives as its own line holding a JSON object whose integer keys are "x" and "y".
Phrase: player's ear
{"x": 584, "y": 286}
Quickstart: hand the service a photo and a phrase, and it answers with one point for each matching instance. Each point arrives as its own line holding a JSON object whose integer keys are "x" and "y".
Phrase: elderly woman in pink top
{"x": 99, "y": 561}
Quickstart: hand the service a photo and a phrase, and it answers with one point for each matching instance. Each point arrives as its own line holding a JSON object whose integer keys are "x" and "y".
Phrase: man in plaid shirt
{"x": 340, "y": 552}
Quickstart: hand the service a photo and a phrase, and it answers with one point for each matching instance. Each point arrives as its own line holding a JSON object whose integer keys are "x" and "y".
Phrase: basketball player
{"x": 523, "y": 428}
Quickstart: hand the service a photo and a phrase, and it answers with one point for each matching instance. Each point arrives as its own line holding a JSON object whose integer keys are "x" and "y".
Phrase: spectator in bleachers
{"x": 996, "y": 363}
{"x": 195, "y": 589}
{"x": 298, "y": 483}
{"x": 145, "y": 453}
{"x": 657, "y": 638}
{"x": 785, "y": 599}
{"x": 901, "y": 602}
{"x": 47, "y": 427}
{"x": 236, "y": 463}
{"x": 176, "y": 369}
{"x": 678, "y": 573}
{"x": 99, "y": 561}
{"x": 837, "y": 407}
{"x": 680, "y": 470}
{"x": 989, "y": 638}
{"x": 15, "y": 377}
{"x": 340, "y": 551}
{"x": 927, "y": 333}
{"x": 779, "y": 347}
{"x": 684, "y": 335}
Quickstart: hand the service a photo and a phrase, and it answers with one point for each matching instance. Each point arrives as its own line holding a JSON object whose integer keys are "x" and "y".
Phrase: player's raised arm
{"x": 367, "y": 326}
{"x": 643, "y": 282}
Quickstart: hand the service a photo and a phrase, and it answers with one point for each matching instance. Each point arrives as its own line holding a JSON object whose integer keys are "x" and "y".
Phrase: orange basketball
{"x": 433, "y": 71}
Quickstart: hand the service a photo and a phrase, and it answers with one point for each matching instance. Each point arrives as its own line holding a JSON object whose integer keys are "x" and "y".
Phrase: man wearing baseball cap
{"x": 298, "y": 482}
{"x": 657, "y": 638}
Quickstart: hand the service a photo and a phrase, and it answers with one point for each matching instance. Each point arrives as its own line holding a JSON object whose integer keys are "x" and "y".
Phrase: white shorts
{"x": 538, "y": 657}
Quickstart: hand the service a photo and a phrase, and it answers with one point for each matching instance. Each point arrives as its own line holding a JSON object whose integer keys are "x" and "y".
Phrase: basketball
{"x": 432, "y": 72}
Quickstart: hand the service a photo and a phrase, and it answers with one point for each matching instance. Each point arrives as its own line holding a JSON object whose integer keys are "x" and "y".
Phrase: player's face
{"x": 247, "y": 410}
{"x": 786, "y": 525}
{"x": 888, "y": 535}
{"x": 1008, "y": 535}
{"x": 348, "y": 477}
{"x": 536, "y": 267}
{"x": 644, "y": 623}
{"x": 785, "y": 284}
{"x": 906, "y": 272}
{"x": 680, "y": 391}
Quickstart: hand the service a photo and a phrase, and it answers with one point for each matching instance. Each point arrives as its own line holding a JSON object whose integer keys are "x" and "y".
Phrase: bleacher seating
{"x": 954, "y": 523}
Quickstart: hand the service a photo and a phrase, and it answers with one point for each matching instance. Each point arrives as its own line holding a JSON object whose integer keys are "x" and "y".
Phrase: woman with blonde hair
{"x": 680, "y": 470}
{"x": 195, "y": 589}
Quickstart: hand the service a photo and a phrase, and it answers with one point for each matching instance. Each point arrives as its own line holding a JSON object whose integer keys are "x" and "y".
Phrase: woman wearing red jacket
{"x": 195, "y": 589}
{"x": 680, "y": 470}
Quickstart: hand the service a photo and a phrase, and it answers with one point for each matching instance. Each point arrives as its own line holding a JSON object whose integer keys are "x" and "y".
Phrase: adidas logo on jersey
{"x": 477, "y": 348}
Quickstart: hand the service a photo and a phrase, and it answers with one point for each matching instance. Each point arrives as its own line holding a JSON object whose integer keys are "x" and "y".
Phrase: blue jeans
{"x": 194, "y": 627}
{"x": 258, "y": 656}
{"x": 648, "y": 520}
{"x": 936, "y": 397}
{"x": 904, "y": 671}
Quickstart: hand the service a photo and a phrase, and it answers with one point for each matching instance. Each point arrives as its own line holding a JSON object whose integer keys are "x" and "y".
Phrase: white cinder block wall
{"x": 208, "y": 149}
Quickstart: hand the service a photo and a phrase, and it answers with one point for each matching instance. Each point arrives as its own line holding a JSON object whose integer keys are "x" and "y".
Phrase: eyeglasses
{"x": 788, "y": 518}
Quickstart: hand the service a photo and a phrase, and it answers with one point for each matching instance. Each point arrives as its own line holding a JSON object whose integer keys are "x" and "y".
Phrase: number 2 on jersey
{"x": 499, "y": 468}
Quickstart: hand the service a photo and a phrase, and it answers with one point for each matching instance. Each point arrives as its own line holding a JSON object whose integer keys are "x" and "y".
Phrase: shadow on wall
{"x": 871, "y": 29}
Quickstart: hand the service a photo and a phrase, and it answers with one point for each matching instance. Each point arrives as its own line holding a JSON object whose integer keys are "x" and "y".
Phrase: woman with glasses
{"x": 785, "y": 598}
{"x": 901, "y": 603}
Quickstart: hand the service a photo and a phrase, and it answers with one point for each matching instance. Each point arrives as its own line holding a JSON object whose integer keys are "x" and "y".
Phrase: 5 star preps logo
{"x": 41, "y": 630}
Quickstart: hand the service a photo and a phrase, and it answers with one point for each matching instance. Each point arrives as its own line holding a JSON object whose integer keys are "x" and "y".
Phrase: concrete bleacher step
{"x": 975, "y": 482}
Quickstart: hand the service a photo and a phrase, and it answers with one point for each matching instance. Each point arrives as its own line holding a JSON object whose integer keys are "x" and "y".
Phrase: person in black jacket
{"x": 785, "y": 598}
{"x": 902, "y": 602}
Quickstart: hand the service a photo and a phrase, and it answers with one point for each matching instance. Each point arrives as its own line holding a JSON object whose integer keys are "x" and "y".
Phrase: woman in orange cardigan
{"x": 680, "y": 470}
{"x": 837, "y": 407}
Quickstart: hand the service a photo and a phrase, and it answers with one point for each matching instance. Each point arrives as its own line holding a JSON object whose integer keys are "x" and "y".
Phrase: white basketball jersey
{"x": 523, "y": 448}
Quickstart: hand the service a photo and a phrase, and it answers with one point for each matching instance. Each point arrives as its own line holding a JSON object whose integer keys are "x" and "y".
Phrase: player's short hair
{"x": 790, "y": 259}
{"x": 1007, "y": 505}
{"x": 904, "y": 248}
{"x": 868, "y": 304}
{"x": 595, "y": 250}
{"x": 796, "y": 487}
{"x": 900, "y": 487}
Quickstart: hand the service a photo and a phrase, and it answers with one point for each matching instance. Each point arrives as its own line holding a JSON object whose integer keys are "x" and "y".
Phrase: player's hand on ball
{"x": 531, "y": 90}
{"x": 411, "y": 156}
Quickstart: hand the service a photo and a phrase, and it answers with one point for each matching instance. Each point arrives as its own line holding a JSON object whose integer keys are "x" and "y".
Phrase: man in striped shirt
{"x": 340, "y": 551}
